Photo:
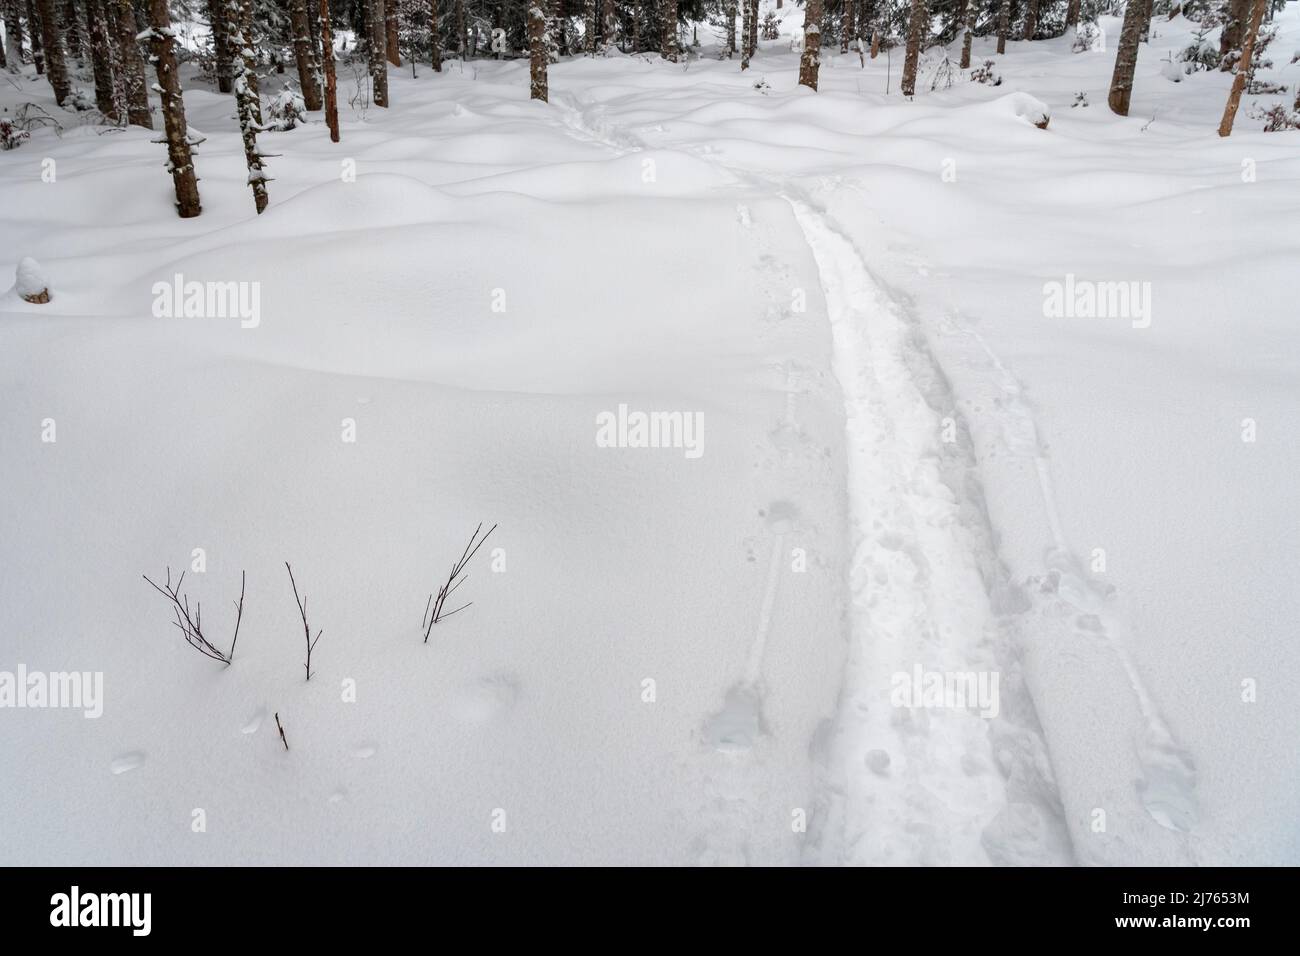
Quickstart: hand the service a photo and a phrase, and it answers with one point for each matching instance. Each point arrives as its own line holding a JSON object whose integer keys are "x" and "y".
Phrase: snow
{"x": 848, "y": 289}
{"x": 29, "y": 278}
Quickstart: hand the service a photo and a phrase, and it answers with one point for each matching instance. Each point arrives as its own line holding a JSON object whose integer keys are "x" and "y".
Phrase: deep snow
{"x": 654, "y": 233}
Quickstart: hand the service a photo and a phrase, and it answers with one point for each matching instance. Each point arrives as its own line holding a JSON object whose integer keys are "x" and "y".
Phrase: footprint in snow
{"x": 127, "y": 762}
{"x": 338, "y": 796}
{"x": 253, "y": 723}
{"x": 782, "y": 516}
{"x": 736, "y": 727}
{"x": 365, "y": 751}
{"x": 486, "y": 698}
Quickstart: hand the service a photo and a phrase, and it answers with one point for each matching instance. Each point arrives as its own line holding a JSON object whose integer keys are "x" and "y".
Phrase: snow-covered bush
{"x": 985, "y": 74}
{"x": 1080, "y": 99}
{"x": 286, "y": 110}
{"x": 1277, "y": 118}
{"x": 770, "y": 28}
{"x": 30, "y": 283}
{"x": 79, "y": 102}
{"x": 1087, "y": 36}
{"x": 11, "y": 137}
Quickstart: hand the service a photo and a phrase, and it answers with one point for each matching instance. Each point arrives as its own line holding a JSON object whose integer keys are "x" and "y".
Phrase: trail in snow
{"x": 918, "y": 784}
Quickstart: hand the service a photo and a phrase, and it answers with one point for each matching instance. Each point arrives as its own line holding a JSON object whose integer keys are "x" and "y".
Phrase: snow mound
{"x": 29, "y": 281}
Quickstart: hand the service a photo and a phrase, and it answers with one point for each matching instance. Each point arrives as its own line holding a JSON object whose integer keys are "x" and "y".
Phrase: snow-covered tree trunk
{"x": 1234, "y": 26}
{"x": 966, "y": 34}
{"x": 1243, "y": 68}
{"x": 13, "y": 35}
{"x": 608, "y": 24}
{"x": 539, "y": 54}
{"x": 304, "y": 54}
{"x": 846, "y": 24}
{"x": 34, "y": 35}
{"x": 180, "y": 163}
{"x": 729, "y": 14}
{"x": 327, "y": 60}
{"x": 378, "y": 33}
{"x": 745, "y": 50}
{"x": 917, "y": 24}
{"x": 133, "y": 81}
{"x": 1136, "y": 17}
{"x": 246, "y": 97}
{"x": 101, "y": 59}
{"x": 589, "y": 26}
{"x": 219, "y": 19}
{"x": 74, "y": 36}
{"x": 1004, "y": 25}
{"x": 811, "y": 58}
{"x": 56, "y": 67}
{"x": 668, "y": 41}
{"x": 1031, "y": 20}
{"x": 435, "y": 38}
{"x": 753, "y": 29}
{"x": 391, "y": 42}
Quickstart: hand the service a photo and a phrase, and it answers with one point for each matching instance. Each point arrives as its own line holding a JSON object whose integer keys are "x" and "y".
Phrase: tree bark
{"x": 246, "y": 98}
{"x": 1072, "y": 14}
{"x": 668, "y": 41}
{"x": 34, "y": 36}
{"x": 133, "y": 81}
{"x": 729, "y": 14}
{"x": 219, "y": 20}
{"x": 538, "y": 54}
{"x": 378, "y": 43}
{"x": 1004, "y": 25}
{"x": 608, "y": 24}
{"x": 589, "y": 27}
{"x": 753, "y": 29}
{"x": 101, "y": 58}
{"x": 391, "y": 41}
{"x": 1136, "y": 17}
{"x": 327, "y": 60}
{"x": 1031, "y": 20}
{"x": 846, "y": 24}
{"x": 963, "y": 19}
{"x": 304, "y": 54}
{"x": 1243, "y": 68}
{"x": 13, "y": 34}
{"x": 179, "y": 161}
{"x": 746, "y": 15}
{"x": 1234, "y": 26}
{"x": 435, "y": 38}
{"x": 810, "y": 60}
{"x": 917, "y": 23}
{"x": 56, "y": 67}
{"x": 73, "y": 35}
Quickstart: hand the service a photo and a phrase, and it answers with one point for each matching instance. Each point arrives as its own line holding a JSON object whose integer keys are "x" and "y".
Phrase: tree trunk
{"x": 219, "y": 20}
{"x": 746, "y": 15}
{"x": 668, "y": 42}
{"x": 811, "y": 59}
{"x": 753, "y": 30}
{"x": 179, "y": 161}
{"x": 435, "y": 38}
{"x": 101, "y": 59}
{"x": 327, "y": 60}
{"x": 246, "y": 97}
{"x": 56, "y": 66}
{"x": 391, "y": 41}
{"x": 1004, "y": 25}
{"x": 34, "y": 37}
{"x": 73, "y": 36}
{"x": 458, "y": 15}
{"x": 1243, "y": 68}
{"x": 304, "y": 53}
{"x": 589, "y": 27}
{"x": 963, "y": 20}
{"x": 378, "y": 42}
{"x": 729, "y": 14}
{"x": 917, "y": 23}
{"x": 133, "y": 81}
{"x": 13, "y": 35}
{"x": 608, "y": 24}
{"x": 1031, "y": 20}
{"x": 1136, "y": 17}
{"x": 846, "y": 24}
{"x": 1072, "y": 14}
{"x": 1234, "y": 26}
{"x": 538, "y": 54}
